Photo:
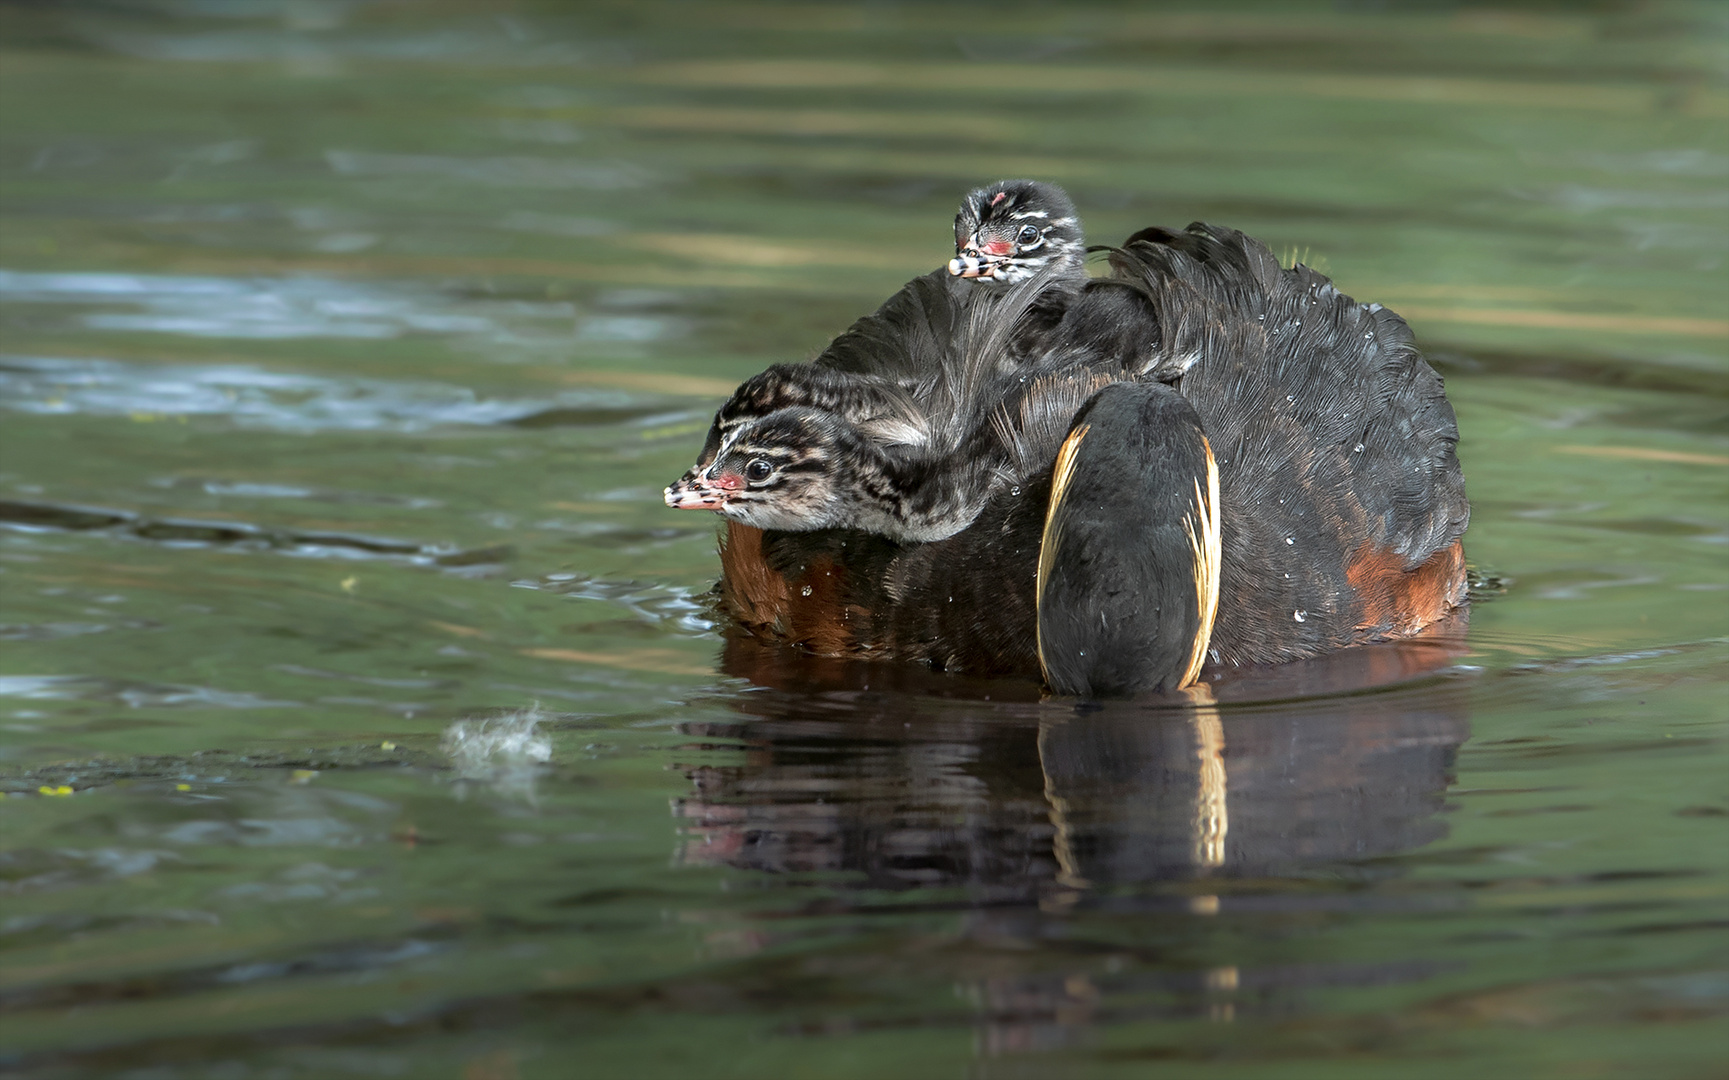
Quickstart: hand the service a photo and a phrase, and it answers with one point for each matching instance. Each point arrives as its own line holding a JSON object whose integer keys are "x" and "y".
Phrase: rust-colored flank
{"x": 754, "y": 592}
{"x": 1395, "y": 602}
{"x": 806, "y": 606}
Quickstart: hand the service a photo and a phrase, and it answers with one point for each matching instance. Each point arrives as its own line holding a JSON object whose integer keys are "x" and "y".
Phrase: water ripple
{"x": 40, "y": 517}
{"x": 136, "y": 695}
{"x": 250, "y": 308}
{"x": 252, "y": 397}
{"x": 509, "y": 172}
{"x": 671, "y": 608}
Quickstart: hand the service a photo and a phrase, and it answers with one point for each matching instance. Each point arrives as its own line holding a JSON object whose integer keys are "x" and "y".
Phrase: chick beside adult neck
{"x": 800, "y": 469}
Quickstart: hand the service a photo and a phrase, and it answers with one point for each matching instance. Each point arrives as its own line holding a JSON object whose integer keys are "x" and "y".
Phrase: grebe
{"x": 1273, "y": 479}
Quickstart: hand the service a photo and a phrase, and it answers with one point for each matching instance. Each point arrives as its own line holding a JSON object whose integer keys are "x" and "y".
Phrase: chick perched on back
{"x": 1010, "y": 230}
{"x": 899, "y": 427}
{"x": 1014, "y": 233}
{"x": 802, "y": 447}
{"x": 961, "y": 385}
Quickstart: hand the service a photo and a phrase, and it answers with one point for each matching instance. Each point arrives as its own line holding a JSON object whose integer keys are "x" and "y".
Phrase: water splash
{"x": 504, "y": 752}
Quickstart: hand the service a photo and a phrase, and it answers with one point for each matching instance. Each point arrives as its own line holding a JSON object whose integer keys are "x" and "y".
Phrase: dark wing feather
{"x": 905, "y": 337}
{"x": 1334, "y": 439}
{"x": 958, "y": 348}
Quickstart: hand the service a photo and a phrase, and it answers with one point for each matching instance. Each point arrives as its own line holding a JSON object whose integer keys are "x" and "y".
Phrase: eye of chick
{"x": 1028, "y": 234}
{"x": 758, "y": 470}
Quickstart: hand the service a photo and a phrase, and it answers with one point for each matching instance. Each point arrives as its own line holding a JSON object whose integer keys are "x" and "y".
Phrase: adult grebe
{"x": 1274, "y": 479}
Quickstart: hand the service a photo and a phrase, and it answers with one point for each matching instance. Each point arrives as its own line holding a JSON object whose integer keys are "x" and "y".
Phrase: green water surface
{"x": 364, "y": 713}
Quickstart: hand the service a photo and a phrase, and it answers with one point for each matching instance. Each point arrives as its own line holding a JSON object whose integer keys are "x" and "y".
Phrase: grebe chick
{"x": 802, "y": 447}
{"x": 1010, "y": 230}
{"x": 801, "y": 469}
{"x": 1014, "y": 234}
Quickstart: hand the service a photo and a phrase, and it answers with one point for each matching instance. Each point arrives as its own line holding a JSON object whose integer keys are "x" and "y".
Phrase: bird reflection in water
{"x": 982, "y": 799}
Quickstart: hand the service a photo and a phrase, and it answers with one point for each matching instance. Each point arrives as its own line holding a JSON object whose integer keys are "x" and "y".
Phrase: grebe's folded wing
{"x": 1336, "y": 445}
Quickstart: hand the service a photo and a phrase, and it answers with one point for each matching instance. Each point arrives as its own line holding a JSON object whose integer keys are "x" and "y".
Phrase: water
{"x": 363, "y": 711}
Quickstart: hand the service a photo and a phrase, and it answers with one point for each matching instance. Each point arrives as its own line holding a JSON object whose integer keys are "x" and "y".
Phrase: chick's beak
{"x": 971, "y": 266}
{"x": 692, "y": 492}
{"x": 980, "y": 259}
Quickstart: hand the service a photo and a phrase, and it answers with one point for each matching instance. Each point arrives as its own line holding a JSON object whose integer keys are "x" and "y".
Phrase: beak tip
{"x": 683, "y": 496}
{"x": 973, "y": 265}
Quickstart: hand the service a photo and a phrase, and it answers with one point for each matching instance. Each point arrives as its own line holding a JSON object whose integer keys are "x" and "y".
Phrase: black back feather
{"x": 1333, "y": 435}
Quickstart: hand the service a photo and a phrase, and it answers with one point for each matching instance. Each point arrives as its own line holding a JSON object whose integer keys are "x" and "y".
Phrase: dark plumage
{"x": 912, "y": 415}
{"x": 1339, "y": 506}
{"x": 1115, "y": 610}
{"x": 1343, "y": 500}
{"x": 909, "y": 458}
{"x": 890, "y": 429}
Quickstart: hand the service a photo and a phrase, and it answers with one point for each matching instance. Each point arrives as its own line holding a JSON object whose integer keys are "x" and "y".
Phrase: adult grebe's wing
{"x": 1334, "y": 439}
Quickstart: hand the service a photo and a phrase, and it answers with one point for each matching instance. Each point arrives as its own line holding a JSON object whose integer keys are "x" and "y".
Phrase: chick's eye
{"x": 1028, "y": 234}
{"x": 758, "y": 470}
